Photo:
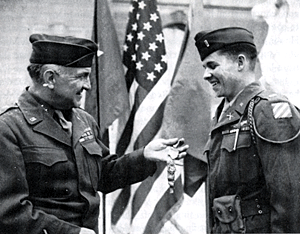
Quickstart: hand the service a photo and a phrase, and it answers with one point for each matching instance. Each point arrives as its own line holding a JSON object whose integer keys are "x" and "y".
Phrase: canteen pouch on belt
{"x": 228, "y": 215}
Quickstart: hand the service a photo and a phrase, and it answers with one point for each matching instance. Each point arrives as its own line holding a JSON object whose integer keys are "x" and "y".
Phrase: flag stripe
{"x": 163, "y": 211}
{"x": 120, "y": 205}
{"x": 125, "y": 139}
{"x": 151, "y": 128}
{"x": 143, "y": 190}
{"x": 156, "y": 193}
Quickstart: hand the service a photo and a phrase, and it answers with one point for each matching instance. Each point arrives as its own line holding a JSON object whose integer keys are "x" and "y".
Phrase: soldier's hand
{"x": 160, "y": 149}
{"x": 86, "y": 231}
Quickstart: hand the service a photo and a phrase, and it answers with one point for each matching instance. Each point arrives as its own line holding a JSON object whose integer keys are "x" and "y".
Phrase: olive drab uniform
{"x": 49, "y": 180}
{"x": 253, "y": 165}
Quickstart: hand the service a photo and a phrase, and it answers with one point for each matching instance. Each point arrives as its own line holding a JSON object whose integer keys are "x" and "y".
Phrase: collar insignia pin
{"x": 206, "y": 43}
{"x": 32, "y": 119}
{"x": 230, "y": 116}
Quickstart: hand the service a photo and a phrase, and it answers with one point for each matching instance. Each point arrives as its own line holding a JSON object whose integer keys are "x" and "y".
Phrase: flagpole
{"x": 98, "y": 102}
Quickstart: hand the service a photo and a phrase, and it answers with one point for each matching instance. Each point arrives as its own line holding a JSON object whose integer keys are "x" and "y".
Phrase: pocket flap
{"x": 243, "y": 141}
{"x": 225, "y": 208}
{"x": 46, "y": 156}
{"x": 92, "y": 147}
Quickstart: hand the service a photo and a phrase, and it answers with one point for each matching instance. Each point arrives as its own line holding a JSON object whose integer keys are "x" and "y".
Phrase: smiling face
{"x": 223, "y": 74}
{"x": 69, "y": 84}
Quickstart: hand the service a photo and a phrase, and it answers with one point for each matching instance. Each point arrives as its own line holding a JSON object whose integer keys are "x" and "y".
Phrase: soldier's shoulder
{"x": 276, "y": 118}
{"x": 8, "y": 108}
{"x": 84, "y": 114}
{"x": 270, "y": 96}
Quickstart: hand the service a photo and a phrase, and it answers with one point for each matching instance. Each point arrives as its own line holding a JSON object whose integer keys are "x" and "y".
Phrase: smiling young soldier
{"x": 53, "y": 162}
{"x": 253, "y": 147}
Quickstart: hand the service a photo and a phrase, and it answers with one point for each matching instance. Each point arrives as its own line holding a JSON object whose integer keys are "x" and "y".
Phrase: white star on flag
{"x": 129, "y": 37}
{"x": 142, "y": 5}
{"x": 134, "y": 27}
{"x": 158, "y": 67}
{"x": 139, "y": 65}
{"x": 146, "y": 55}
{"x": 125, "y": 47}
{"x": 133, "y": 57}
{"x": 152, "y": 46}
{"x": 164, "y": 58}
{"x": 160, "y": 37}
{"x": 147, "y": 26}
{"x": 141, "y": 35}
{"x": 131, "y": 9}
{"x": 151, "y": 76}
{"x": 153, "y": 17}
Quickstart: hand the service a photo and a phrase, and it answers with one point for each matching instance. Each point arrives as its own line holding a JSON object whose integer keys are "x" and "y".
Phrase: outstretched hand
{"x": 159, "y": 149}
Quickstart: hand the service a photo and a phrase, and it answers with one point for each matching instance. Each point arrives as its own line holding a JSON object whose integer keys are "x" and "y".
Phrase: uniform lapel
{"x": 48, "y": 126}
{"x": 40, "y": 120}
{"x": 230, "y": 116}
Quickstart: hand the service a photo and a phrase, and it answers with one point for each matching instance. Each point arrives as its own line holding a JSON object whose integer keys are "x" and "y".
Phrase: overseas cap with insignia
{"x": 66, "y": 51}
{"x": 208, "y": 42}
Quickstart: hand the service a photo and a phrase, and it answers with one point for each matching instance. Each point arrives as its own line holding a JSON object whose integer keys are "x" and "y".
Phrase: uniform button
{"x": 260, "y": 212}
{"x": 258, "y": 206}
{"x": 254, "y": 155}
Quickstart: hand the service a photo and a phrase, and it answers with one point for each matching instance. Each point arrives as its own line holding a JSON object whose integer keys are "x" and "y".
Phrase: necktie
{"x": 66, "y": 125}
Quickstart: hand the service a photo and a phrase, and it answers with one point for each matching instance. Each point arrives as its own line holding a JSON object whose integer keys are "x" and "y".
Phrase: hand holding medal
{"x": 166, "y": 150}
{"x": 173, "y": 154}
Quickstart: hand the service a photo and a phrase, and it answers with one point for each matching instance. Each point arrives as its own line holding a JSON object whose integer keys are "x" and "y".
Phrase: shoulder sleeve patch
{"x": 281, "y": 110}
{"x": 276, "y": 122}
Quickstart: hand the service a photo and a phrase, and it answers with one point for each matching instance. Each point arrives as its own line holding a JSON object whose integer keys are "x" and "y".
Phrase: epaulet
{"x": 271, "y": 96}
{"x": 5, "y": 109}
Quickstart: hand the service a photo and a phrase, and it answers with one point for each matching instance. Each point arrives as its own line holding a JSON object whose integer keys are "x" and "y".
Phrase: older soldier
{"x": 52, "y": 160}
{"x": 253, "y": 147}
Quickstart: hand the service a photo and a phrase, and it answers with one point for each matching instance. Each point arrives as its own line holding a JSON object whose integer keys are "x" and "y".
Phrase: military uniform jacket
{"x": 265, "y": 176}
{"x": 48, "y": 181}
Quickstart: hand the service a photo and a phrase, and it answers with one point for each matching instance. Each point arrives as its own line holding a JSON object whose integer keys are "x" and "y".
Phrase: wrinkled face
{"x": 69, "y": 86}
{"x": 221, "y": 73}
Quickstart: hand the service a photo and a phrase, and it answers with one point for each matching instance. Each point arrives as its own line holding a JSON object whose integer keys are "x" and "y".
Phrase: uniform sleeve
{"x": 117, "y": 172}
{"x": 120, "y": 171}
{"x": 277, "y": 129}
{"x": 17, "y": 214}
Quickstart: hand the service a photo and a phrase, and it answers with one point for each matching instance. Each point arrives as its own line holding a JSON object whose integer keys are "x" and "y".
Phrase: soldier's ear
{"x": 49, "y": 78}
{"x": 241, "y": 62}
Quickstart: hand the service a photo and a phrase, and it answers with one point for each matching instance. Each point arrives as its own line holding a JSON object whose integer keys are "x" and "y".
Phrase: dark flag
{"x": 108, "y": 98}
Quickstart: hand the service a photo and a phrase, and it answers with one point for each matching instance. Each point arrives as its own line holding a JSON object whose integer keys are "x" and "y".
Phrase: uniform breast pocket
{"x": 239, "y": 155}
{"x": 93, "y": 153}
{"x": 234, "y": 141}
{"x": 45, "y": 167}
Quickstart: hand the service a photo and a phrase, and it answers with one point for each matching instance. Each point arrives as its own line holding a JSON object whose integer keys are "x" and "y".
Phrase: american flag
{"x": 145, "y": 206}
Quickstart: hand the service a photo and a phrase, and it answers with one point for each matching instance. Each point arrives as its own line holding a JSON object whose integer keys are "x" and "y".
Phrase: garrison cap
{"x": 66, "y": 51}
{"x": 208, "y": 42}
